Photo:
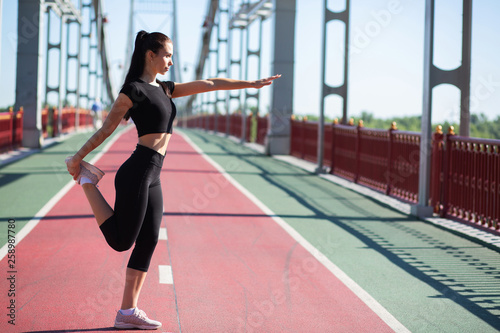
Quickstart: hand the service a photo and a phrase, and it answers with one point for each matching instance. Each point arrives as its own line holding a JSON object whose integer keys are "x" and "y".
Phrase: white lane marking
{"x": 163, "y": 234}
{"x": 52, "y": 202}
{"x": 165, "y": 273}
{"x": 371, "y": 302}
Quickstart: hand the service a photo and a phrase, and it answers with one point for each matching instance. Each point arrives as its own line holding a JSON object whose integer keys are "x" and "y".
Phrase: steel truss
{"x": 161, "y": 8}
{"x": 33, "y": 58}
{"x": 240, "y": 21}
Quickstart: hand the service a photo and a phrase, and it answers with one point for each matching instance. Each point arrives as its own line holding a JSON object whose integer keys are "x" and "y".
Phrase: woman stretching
{"x": 138, "y": 209}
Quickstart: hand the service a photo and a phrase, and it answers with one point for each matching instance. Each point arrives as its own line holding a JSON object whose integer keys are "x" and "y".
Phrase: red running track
{"x": 234, "y": 269}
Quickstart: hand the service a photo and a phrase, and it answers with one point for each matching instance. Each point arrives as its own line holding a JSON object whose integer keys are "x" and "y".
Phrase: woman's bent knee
{"x": 121, "y": 247}
{"x": 110, "y": 232}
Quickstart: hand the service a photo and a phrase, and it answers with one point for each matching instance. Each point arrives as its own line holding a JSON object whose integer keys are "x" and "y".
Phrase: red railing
{"x": 18, "y": 128}
{"x": 472, "y": 180}
{"x": 437, "y": 170}
{"x": 207, "y": 122}
{"x": 304, "y": 140}
{"x": 211, "y": 122}
{"x": 11, "y": 129}
{"x": 50, "y": 120}
{"x": 403, "y": 164}
{"x": 221, "y": 124}
{"x": 11, "y": 125}
{"x": 192, "y": 122}
{"x": 386, "y": 161}
{"x": 235, "y": 125}
{"x": 465, "y": 173}
{"x": 261, "y": 131}
{"x": 372, "y": 158}
{"x": 296, "y": 136}
{"x": 344, "y": 152}
{"x": 6, "y": 129}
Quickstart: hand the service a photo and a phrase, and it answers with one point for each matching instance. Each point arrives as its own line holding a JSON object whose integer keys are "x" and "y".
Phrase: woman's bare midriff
{"x": 156, "y": 141}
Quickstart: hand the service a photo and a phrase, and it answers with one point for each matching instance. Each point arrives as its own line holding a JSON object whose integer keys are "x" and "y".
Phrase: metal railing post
{"x": 389, "y": 158}
{"x": 446, "y": 170}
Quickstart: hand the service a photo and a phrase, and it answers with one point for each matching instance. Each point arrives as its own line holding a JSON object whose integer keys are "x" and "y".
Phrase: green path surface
{"x": 28, "y": 184}
{"x": 430, "y": 279}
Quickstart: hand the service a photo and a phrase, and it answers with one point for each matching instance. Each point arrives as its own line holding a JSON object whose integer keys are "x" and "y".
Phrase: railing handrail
{"x": 5, "y": 115}
{"x": 367, "y": 129}
{"x": 399, "y": 132}
{"x": 456, "y": 138}
{"x": 346, "y": 127}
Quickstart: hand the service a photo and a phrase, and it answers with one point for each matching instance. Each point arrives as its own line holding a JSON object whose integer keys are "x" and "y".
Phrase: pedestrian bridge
{"x": 271, "y": 223}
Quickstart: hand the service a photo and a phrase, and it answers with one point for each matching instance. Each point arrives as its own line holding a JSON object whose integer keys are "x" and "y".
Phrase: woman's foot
{"x": 138, "y": 319}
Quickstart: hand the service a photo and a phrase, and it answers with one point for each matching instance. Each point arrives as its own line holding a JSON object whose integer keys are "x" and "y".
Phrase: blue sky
{"x": 386, "y": 60}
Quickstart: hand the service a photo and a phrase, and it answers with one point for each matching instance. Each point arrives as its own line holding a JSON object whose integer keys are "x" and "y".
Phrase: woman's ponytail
{"x": 143, "y": 42}
{"x": 139, "y": 39}
{"x": 137, "y": 62}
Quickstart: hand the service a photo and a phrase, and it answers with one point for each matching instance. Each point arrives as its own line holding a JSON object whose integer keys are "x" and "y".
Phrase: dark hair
{"x": 143, "y": 42}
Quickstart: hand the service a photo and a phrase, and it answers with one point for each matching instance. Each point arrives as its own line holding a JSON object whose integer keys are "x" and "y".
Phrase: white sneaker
{"x": 138, "y": 319}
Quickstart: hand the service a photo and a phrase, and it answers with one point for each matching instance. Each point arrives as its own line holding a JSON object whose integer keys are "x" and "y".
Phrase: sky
{"x": 385, "y": 75}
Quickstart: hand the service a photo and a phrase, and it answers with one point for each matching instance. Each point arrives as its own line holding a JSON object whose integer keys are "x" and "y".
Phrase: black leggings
{"x": 138, "y": 207}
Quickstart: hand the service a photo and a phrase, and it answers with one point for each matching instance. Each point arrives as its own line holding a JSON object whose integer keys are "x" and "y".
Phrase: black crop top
{"x": 153, "y": 110}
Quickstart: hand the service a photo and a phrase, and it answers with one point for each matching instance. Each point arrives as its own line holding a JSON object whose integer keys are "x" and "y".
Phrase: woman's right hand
{"x": 265, "y": 82}
{"x": 73, "y": 165}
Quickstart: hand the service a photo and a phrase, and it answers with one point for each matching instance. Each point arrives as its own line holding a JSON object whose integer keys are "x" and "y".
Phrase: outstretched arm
{"x": 200, "y": 86}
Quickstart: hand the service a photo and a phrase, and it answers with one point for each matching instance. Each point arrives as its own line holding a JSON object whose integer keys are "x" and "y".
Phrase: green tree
{"x": 480, "y": 125}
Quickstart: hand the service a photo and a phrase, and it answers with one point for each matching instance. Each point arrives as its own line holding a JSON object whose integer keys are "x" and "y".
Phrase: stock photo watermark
{"x": 485, "y": 89}
{"x": 112, "y": 290}
{"x": 292, "y": 279}
{"x": 28, "y": 29}
{"x": 381, "y": 19}
{"x": 202, "y": 196}
{"x": 11, "y": 272}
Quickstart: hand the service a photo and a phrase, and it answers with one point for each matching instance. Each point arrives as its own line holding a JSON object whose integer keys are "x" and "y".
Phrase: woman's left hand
{"x": 73, "y": 165}
{"x": 265, "y": 82}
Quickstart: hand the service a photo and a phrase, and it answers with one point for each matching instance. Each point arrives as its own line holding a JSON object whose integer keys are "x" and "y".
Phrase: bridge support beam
{"x": 29, "y": 69}
{"x": 278, "y": 136}
{"x": 340, "y": 90}
{"x": 433, "y": 76}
